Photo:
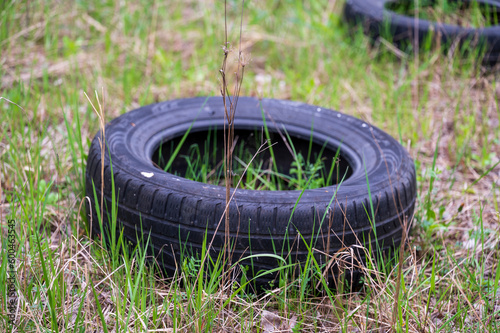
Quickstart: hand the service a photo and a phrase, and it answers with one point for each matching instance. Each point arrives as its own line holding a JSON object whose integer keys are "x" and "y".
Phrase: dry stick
{"x": 229, "y": 114}
{"x": 237, "y": 89}
{"x": 285, "y": 141}
{"x": 398, "y": 283}
{"x": 102, "y": 144}
{"x": 226, "y": 119}
{"x": 330, "y": 221}
{"x": 8, "y": 100}
{"x": 416, "y": 37}
{"x": 260, "y": 150}
{"x": 331, "y": 215}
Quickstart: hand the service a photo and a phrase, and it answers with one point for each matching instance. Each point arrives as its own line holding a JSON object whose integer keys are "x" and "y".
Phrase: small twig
{"x": 102, "y": 143}
{"x": 8, "y": 100}
{"x": 260, "y": 150}
{"x": 230, "y": 105}
{"x": 398, "y": 282}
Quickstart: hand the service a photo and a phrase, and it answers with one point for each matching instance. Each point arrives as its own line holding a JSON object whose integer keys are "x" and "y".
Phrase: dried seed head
{"x": 226, "y": 49}
{"x": 244, "y": 59}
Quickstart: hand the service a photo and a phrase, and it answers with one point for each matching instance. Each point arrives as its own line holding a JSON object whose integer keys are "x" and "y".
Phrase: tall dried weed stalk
{"x": 230, "y": 102}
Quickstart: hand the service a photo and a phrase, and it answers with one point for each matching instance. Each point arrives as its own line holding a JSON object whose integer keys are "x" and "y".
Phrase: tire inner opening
{"x": 276, "y": 166}
{"x": 465, "y": 13}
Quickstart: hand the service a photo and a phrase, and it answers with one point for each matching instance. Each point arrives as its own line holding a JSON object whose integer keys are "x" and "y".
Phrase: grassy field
{"x": 442, "y": 107}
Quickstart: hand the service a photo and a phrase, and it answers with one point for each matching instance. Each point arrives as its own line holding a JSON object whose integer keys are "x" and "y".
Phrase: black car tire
{"x": 179, "y": 213}
{"x": 377, "y": 21}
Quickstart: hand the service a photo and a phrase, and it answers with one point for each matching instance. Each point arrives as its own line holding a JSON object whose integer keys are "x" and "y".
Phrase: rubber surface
{"x": 377, "y": 20}
{"x": 176, "y": 211}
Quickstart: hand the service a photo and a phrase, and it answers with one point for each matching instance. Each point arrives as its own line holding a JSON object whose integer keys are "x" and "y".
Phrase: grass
{"x": 444, "y": 108}
{"x": 306, "y": 168}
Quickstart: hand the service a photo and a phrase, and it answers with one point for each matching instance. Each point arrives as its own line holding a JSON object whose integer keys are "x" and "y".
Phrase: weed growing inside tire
{"x": 230, "y": 103}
